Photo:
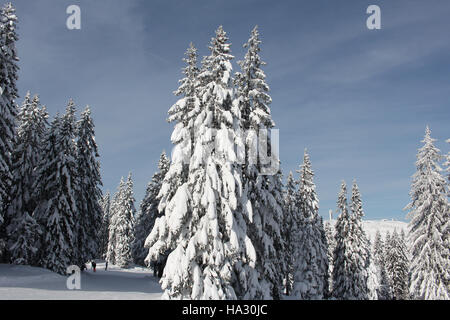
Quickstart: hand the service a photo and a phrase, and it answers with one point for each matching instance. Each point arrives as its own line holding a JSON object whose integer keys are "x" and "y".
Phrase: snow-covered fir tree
{"x": 148, "y": 212}
{"x": 385, "y": 288}
{"x": 342, "y": 260}
{"x": 373, "y": 284}
{"x": 290, "y": 230}
{"x": 387, "y": 243}
{"x": 8, "y": 77}
{"x": 349, "y": 264}
{"x": 429, "y": 226}
{"x": 263, "y": 191}
{"x": 377, "y": 249}
{"x": 324, "y": 239}
{"x": 23, "y": 230}
{"x": 329, "y": 234}
{"x": 212, "y": 257}
{"x": 105, "y": 205}
{"x": 387, "y": 251}
{"x": 311, "y": 261}
{"x": 125, "y": 212}
{"x": 112, "y": 232}
{"x": 360, "y": 247}
{"x": 183, "y": 113}
{"x": 55, "y": 188}
{"x": 397, "y": 267}
{"x": 89, "y": 213}
{"x": 378, "y": 257}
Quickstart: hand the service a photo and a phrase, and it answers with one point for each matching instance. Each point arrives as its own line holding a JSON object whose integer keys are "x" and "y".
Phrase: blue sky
{"x": 358, "y": 99}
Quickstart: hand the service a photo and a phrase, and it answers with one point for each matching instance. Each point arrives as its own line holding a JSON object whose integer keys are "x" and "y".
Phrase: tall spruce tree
{"x": 349, "y": 276}
{"x": 264, "y": 191}
{"x": 360, "y": 248}
{"x": 429, "y": 226}
{"x": 149, "y": 211}
{"x": 183, "y": 113}
{"x": 105, "y": 204}
{"x": 311, "y": 262}
{"x": 89, "y": 213}
{"x": 385, "y": 279}
{"x": 385, "y": 288}
{"x": 8, "y": 95}
{"x": 330, "y": 238}
{"x": 397, "y": 267}
{"x": 377, "y": 249}
{"x": 378, "y": 254}
{"x": 124, "y": 225}
{"x": 55, "y": 187}
{"x": 212, "y": 257}
{"x": 373, "y": 284}
{"x": 23, "y": 230}
{"x": 113, "y": 220}
{"x": 290, "y": 231}
{"x": 342, "y": 272}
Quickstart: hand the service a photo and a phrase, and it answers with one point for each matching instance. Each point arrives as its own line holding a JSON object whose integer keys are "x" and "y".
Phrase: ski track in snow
{"x": 25, "y": 282}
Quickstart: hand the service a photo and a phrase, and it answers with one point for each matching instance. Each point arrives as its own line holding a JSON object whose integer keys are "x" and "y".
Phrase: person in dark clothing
{"x": 153, "y": 265}
{"x": 83, "y": 267}
{"x": 93, "y": 265}
{"x": 106, "y": 265}
{"x": 161, "y": 266}
{"x": 161, "y": 263}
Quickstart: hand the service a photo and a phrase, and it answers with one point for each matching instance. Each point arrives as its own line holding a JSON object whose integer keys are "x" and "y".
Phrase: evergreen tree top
{"x": 252, "y": 87}
{"x": 306, "y": 172}
{"x": 8, "y": 24}
{"x": 129, "y": 188}
{"x": 85, "y": 132}
{"x": 428, "y": 154}
{"x": 55, "y": 125}
{"x": 219, "y": 45}
{"x": 187, "y": 106}
{"x": 307, "y": 197}
{"x": 164, "y": 162}
{"x": 290, "y": 193}
{"x": 188, "y": 84}
{"x": 8, "y": 59}
{"x": 68, "y": 120}
{"x": 290, "y": 179}
{"x": 86, "y": 113}
{"x": 342, "y": 199}
{"x": 356, "y": 202}
{"x": 85, "y": 124}
{"x": 217, "y": 66}
{"x": 32, "y": 117}
{"x": 427, "y": 182}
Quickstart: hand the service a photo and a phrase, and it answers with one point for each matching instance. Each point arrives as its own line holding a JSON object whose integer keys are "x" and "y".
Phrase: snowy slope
{"x": 25, "y": 282}
{"x": 371, "y": 227}
{"x": 384, "y": 226}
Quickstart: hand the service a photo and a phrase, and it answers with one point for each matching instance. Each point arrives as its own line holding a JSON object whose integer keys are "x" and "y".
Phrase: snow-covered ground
{"x": 371, "y": 227}
{"x": 25, "y": 282}
{"x": 384, "y": 226}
